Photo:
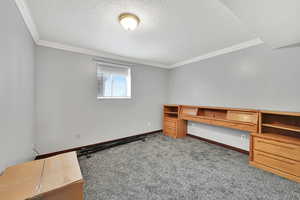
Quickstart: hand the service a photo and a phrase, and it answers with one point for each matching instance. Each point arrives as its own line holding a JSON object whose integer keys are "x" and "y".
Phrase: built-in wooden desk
{"x": 275, "y": 138}
{"x": 176, "y": 117}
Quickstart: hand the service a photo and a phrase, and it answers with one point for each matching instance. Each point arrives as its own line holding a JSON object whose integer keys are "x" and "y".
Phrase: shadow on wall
{"x": 291, "y": 46}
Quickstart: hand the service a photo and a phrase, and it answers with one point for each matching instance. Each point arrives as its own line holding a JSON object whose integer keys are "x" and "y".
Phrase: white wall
{"x": 16, "y": 87}
{"x": 68, "y": 113}
{"x": 231, "y": 137}
{"x": 257, "y": 77}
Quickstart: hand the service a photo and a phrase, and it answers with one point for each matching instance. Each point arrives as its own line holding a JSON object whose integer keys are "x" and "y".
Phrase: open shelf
{"x": 171, "y": 109}
{"x": 168, "y": 112}
{"x": 212, "y": 113}
{"x": 282, "y": 126}
{"x": 280, "y": 123}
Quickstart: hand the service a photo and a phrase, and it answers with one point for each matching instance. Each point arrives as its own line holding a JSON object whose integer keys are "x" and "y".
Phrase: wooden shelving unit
{"x": 241, "y": 119}
{"x": 276, "y": 148}
{"x": 173, "y": 126}
{"x": 275, "y": 138}
{"x": 280, "y": 122}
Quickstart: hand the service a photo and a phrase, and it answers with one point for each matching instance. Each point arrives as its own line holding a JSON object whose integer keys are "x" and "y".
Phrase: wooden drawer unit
{"x": 282, "y": 164}
{"x": 290, "y": 151}
{"x": 276, "y": 153}
{"x": 170, "y": 131}
{"x": 172, "y": 125}
{"x": 170, "y": 119}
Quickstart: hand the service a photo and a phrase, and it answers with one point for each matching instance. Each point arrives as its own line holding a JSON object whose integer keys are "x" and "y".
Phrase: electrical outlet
{"x": 243, "y": 137}
{"x": 149, "y": 123}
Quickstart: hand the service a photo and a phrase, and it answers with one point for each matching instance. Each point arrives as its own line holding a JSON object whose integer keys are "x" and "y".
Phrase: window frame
{"x": 129, "y": 81}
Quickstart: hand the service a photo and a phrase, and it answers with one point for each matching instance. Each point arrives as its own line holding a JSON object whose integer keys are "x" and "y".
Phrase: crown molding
{"x": 85, "y": 51}
{"x": 24, "y": 10}
{"x": 90, "y": 52}
{"x": 226, "y": 50}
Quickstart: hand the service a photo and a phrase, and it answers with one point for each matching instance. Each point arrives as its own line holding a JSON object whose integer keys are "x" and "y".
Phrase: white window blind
{"x": 114, "y": 81}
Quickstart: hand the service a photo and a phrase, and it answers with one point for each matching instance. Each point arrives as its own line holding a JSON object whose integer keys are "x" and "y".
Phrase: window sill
{"x": 113, "y": 98}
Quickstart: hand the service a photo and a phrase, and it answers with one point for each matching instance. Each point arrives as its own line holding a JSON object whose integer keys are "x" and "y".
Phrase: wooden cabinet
{"x": 288, "y": 166}
{"x": 276, "y": 148}
{"x": 172, "y": 125}
{"x": 241, "y": 119}
{"x": 287, "y": 150}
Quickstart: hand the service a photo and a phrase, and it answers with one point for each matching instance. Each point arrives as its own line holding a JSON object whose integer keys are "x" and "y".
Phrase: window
{"x": 114, "y": 81}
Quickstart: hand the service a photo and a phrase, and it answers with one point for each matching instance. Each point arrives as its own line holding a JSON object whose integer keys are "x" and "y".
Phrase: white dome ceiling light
{"x": 129, "y": 21}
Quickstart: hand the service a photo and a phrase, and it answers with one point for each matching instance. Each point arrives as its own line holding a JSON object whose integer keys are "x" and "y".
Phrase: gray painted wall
{"x": 257, "y": 77}
{"x": 16, "y": 87}
{"x": 68, "y": 113}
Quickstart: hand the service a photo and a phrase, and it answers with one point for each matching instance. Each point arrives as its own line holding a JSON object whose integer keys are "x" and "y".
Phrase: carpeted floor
{"x": 164, "y": 168}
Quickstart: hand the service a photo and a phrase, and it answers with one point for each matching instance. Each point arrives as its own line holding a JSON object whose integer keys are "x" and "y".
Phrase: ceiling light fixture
{"x": 129, "y": 21}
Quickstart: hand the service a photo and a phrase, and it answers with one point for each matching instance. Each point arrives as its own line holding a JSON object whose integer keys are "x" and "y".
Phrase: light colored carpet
{"x": 162, "y": 168}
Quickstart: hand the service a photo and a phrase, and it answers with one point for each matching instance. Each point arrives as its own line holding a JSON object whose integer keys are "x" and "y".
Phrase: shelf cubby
{"x": 172, "y": 113}
{"x": 281, "y": 123}
{"x": 282, "y": 126}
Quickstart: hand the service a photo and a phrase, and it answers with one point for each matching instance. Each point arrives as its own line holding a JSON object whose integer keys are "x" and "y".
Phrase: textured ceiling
{"x": 171, "y": 31}
{"x": 276, "y": 22}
